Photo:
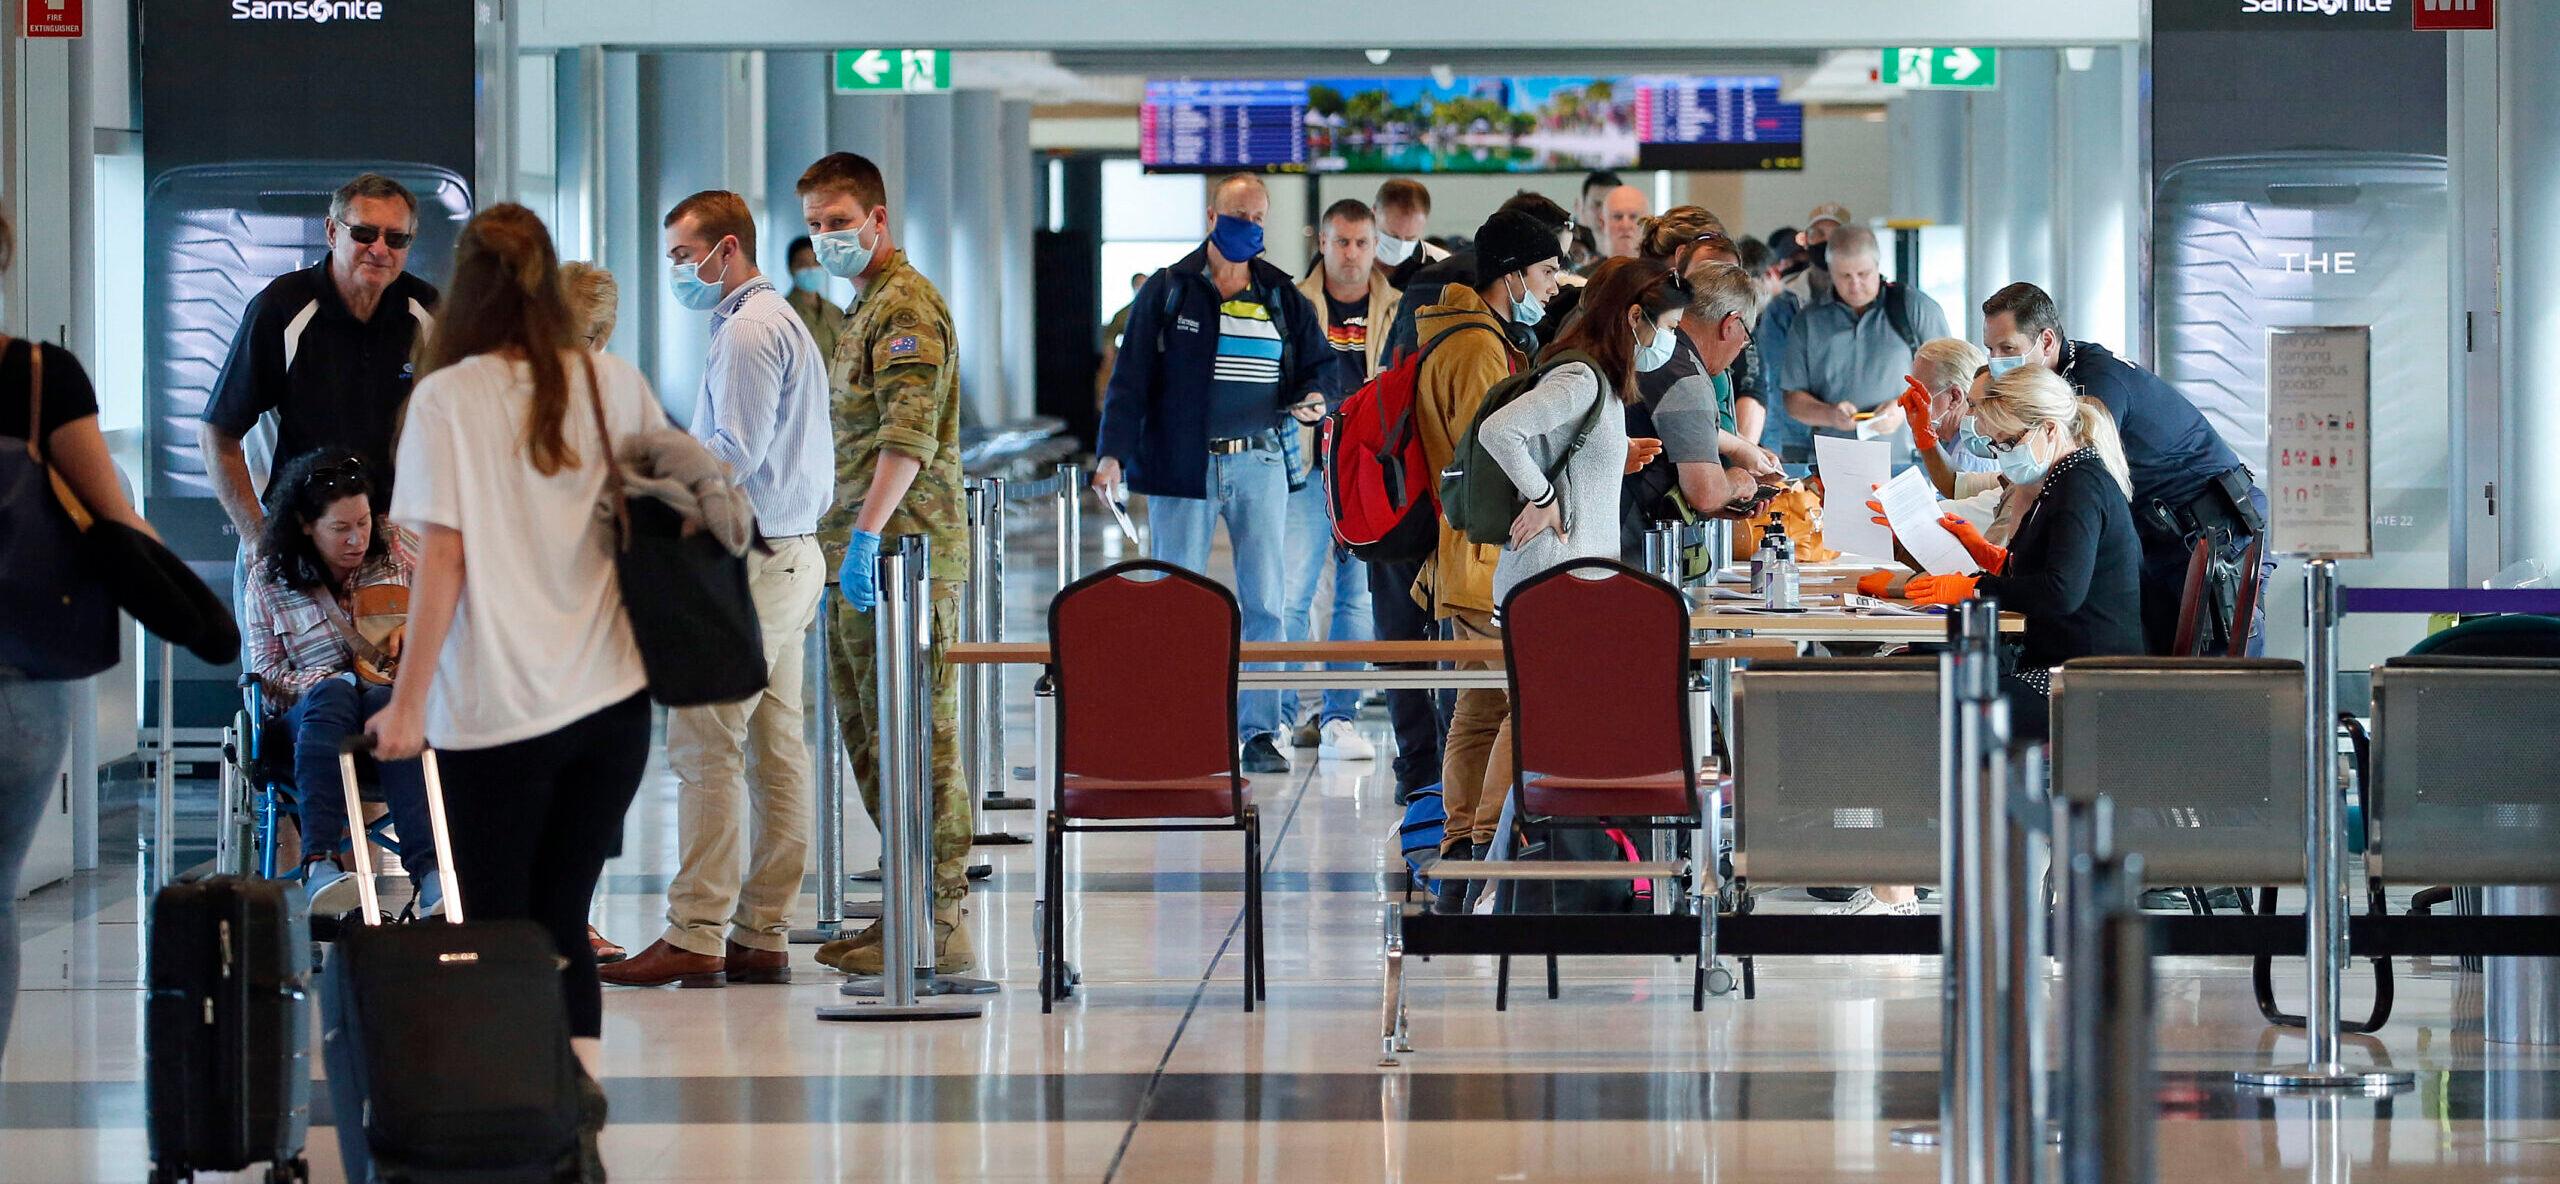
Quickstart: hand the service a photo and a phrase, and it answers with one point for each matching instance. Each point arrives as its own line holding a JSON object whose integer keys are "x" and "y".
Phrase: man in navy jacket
{"x": 1221, "y": 353}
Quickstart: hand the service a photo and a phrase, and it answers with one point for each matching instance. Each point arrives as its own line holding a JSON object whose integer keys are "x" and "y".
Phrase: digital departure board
{"x": 1716, "y": 123}
{"x": 1522, "y": 124}
{"x": 1223, "y": 126}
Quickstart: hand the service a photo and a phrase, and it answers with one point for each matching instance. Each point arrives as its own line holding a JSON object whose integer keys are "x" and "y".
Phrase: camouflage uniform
{"x": 895, "y": 385}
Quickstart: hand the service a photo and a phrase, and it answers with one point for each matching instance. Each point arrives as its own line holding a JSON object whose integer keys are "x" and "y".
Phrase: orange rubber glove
{"x": 1993, "y": 559}
{"x": 1877, "y": 584}
{"x": 1876, "y": 506}
{"x": 1915, "y": 408}
{"x": 1949, "y": 590}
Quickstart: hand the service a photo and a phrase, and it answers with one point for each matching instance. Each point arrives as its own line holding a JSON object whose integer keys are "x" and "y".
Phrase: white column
{"x": 494, "y": 53}
{"x": 1021, "y": 219}
{"x": 2100, "y": 199}
{"x": 795, "y": 136}
{"x": 975, "y": 283}
{"x": 2529, "y": 79}
{"x": 926, "y": 184}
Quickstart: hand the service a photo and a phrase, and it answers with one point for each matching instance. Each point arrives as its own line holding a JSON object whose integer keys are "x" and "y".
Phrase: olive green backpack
{"x": 1476, "y": 496}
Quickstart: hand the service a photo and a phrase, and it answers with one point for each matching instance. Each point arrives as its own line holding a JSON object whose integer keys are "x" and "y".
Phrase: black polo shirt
{"x": 331, "y": 379}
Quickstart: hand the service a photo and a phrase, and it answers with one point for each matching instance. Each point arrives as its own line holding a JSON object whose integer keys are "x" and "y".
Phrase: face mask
{"x": 2000, "y": 366}
{"x": 1392, "y": 250}
{"x": 1236, "y": 239}
{"x": 811, "y": 280}
{"x": 2019, "y": 464}
{"x": 691, "y": 290}
{"x": 842, "y": 253}
{"x": 1524, "y": 310}
{"x": 1973, "y": 441}
{"x": 1653, "y": 355}
{"x": 1820, "y": 254}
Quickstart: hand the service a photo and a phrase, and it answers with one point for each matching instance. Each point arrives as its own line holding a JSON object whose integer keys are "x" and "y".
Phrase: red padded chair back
{"x": 2191, "y": 602}
{"x": 1598, "y": 665}
{"x": 2244, "y": 609}
{"x": 1144, "y": 659}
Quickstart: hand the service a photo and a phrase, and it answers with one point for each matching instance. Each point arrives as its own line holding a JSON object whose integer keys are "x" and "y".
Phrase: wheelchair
{"x": 259, "y": 798}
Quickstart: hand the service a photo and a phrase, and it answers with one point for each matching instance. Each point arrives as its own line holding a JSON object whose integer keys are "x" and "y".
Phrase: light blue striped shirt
{"x": 764, "y": 409}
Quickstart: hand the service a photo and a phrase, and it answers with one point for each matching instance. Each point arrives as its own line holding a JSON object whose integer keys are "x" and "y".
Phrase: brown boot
{"x": 833, "y": 954}
{"x": 953, "y": 953}
{"x": 661, "y": 964}
{"x": 750, "y": 965}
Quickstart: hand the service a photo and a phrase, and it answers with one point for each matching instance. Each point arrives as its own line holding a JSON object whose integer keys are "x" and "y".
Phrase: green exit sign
{"x": 859, "y": 70}
{"x": 1961, "y": 67}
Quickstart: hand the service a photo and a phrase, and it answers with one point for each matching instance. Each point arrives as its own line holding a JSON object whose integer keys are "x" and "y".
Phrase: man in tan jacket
{"x": 1357, "y": 303}
{"x": 1517, "y": 261}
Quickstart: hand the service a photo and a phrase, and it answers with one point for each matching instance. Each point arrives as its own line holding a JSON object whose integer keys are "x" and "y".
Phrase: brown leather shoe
{"x": 661, "y": 964}
{"x": 750, "y": 965}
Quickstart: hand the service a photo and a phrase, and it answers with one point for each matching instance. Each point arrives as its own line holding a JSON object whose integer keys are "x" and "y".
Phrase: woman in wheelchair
{"x": 322, "y": 630}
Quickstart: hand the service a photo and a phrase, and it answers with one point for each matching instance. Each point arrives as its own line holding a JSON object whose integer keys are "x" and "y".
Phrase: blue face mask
{"x": 811, "y": 280}
{"x": 1971, "y": 440}
{"x": 1236, "y": 239}
{"x": 691, "y": 290}
{"x": 2019, "y": 464}
{"x": 2000, "y": 366}
{"x": 1653, "y": 355}
{"x": 842, "y": 253}
{"x": 1524, "y": 309}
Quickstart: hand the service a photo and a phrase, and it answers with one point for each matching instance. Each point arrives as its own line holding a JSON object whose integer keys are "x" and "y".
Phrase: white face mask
{"x": 843, "y": 253}
{"x": 1393, "y": 251}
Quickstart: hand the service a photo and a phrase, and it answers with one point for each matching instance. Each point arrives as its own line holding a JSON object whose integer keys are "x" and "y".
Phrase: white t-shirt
{"x": 540, "y": 639}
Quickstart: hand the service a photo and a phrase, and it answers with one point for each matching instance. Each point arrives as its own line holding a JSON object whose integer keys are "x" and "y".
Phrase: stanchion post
{"x": 829, "y": 767}
{"x": 1070, "y": 523}
{"x": 982, "y": 686}
{"x": 2122, "y": 1086}
{"x": 2324, "y": 858}
{"x": 164, "y": 780}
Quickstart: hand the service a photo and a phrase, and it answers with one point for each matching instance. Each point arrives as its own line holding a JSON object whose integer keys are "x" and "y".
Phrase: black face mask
{"x": 1821, "y": 255}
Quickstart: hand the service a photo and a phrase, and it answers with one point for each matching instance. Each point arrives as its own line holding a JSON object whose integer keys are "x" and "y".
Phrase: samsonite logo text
{"x": 2316, "y": 7}
{"x": 318, "y": 12}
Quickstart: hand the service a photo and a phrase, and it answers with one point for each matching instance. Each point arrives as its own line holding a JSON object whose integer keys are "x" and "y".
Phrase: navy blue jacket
{"x": 2172, "y": 451}
{"x": 1155, "y": 416}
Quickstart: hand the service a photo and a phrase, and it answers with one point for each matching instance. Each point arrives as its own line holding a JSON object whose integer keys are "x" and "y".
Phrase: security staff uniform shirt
{"x": 2171, "y": 450}
{"x": 896, "y": 387}
{"x": 331, "y": 380}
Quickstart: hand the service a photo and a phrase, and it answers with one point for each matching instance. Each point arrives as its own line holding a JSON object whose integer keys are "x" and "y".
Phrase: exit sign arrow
{"x": 1963, "y": 63}
{"x": 870, "y": 65}
{"x": 859, "y": 70}
{"x": 1958, "y": 67}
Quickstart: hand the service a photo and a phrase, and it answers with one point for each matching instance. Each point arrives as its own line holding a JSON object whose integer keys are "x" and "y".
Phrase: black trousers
{"x": 533, "y": 823}
{"x": 1420, "y": 718}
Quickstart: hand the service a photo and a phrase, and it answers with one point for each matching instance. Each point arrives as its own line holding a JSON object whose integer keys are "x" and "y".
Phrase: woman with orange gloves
{"x": 2074, "y": 566}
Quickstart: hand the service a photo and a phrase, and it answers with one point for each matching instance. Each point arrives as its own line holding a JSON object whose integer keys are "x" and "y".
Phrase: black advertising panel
{"x": 253, "y": 113}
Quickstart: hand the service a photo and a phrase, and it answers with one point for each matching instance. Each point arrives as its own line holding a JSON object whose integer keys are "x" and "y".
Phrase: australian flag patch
{"x": 902, "y": 345}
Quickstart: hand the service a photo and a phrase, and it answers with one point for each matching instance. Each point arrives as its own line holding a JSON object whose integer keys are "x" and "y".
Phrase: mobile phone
{"x": 1765, "y": 492}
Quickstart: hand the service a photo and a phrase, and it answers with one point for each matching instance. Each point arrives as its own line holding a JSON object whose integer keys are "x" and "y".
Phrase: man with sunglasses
{"x": 322, "y": 356}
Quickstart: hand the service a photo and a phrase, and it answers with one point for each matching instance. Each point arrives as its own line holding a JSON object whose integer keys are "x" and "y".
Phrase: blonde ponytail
{"x": 2096, "y": 427}
{"x": 2031, "y": 396}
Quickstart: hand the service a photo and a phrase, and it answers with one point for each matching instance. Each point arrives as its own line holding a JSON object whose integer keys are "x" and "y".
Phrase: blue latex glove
{"x": 858, "y": 579}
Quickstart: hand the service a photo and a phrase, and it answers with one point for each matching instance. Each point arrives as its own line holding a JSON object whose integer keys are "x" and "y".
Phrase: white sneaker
{"x": 1342, "y": 742}
{"x": 1865, "y": 904}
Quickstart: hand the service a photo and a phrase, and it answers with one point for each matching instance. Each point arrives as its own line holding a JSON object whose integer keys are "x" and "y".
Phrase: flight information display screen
{"x": 1525, "y": 124}
{"x": 1224, "y": 126}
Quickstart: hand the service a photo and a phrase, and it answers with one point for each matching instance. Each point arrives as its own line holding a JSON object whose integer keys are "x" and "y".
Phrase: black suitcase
{"x": 447, "y": 1045}
{"x": 227, "y": 1028}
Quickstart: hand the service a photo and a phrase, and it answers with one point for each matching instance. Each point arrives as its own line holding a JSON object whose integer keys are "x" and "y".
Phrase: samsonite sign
{"x": 2453, "y": 14}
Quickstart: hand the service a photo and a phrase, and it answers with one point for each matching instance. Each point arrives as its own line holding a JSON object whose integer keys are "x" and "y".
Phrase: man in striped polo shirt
{"x": 1222, "y": 352}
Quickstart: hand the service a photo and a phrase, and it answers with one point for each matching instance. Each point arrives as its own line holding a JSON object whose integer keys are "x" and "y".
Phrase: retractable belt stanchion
{"x": 164, "y": 777}
{"x": 908, "y": 989}
{"x": 982, "y": 687}
{"x": 2325, "y": 859}
{"x": 1070, "y": 524}
{"x": 829, "y": 766}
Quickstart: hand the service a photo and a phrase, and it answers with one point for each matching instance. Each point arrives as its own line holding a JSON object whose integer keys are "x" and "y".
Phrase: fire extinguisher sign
{"x": 53, "y": 18}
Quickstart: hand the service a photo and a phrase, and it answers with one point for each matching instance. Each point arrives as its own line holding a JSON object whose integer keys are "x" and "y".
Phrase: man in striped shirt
{"x": 1222, "y": 352}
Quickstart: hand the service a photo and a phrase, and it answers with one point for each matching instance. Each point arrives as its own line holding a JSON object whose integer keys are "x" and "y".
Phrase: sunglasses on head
{"x": 398, "y": 240}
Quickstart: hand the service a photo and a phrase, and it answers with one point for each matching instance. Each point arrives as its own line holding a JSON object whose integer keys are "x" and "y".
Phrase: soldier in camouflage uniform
{"x": 895, "y": 385}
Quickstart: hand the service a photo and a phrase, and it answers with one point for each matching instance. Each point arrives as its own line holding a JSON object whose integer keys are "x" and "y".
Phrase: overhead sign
{"x": 859, "y": 70}
{"x": 2454, "y": 14}
{"x": 53, "y": 18}
{"x": 1961, "y": 67}
{"x": 2319, "y": 440}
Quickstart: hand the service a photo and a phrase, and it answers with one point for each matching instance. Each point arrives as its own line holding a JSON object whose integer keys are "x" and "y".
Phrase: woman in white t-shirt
{"x": 520, "y": 667}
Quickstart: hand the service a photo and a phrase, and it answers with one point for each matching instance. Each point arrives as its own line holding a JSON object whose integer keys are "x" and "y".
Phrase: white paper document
{"x": 1911, "y": 504}
{"x": 1850, "y": 469}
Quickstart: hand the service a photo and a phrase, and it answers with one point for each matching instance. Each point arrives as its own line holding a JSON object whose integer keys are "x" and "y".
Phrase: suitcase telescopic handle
{"x": 362, "y": 742}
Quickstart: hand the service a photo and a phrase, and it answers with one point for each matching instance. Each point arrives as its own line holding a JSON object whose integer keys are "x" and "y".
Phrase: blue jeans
{"x": 1312, "y": 552}
{"x": 325, "y": 715}
{"x": 1251, "y": 491}
{"x": 35, "y": 726}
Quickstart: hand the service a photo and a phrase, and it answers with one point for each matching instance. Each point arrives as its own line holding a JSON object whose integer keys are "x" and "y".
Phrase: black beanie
{"x": 1511, "y": 241}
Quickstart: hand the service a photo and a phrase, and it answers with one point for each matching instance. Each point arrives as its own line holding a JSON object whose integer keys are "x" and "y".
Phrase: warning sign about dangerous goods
{"x": 2319, "y": 403}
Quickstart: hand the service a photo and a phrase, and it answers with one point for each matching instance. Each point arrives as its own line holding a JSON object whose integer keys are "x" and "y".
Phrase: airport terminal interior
{"x": 1057, "y": 655}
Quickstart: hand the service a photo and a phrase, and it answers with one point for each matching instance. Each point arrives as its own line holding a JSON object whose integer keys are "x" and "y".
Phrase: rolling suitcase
{"x": 447, "y": 1045}
{"x": 226, "y": 1030}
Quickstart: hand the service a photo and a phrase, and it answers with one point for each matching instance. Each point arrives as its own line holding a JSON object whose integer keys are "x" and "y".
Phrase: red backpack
{"x": 1378, "y": 484}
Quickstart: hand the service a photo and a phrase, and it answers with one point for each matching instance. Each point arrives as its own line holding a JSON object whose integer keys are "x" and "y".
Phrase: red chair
{"x": 1598, "y": 654}
{"x": 1143, "y": 666}
{"x": 2191, "y": 602}
{"x": 2244, "y": 611}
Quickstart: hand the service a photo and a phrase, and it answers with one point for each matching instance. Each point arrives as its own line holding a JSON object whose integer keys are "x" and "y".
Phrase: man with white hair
{"x": 1851, "y": 348}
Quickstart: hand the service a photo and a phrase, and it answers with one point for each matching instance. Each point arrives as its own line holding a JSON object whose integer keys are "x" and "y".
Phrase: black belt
{"x": 1233, "y": 445}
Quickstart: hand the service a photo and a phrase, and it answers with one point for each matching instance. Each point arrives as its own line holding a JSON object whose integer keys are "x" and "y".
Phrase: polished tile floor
{"x": 1153, "y": 1073}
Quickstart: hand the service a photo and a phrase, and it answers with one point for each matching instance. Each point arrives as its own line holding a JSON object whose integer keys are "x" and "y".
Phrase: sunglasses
{"x": 398, "y": 240}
